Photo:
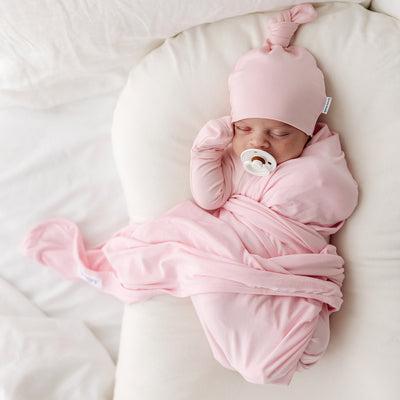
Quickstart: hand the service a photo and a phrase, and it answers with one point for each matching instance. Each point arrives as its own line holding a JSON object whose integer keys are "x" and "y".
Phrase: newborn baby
{"x": 270, "y": 186}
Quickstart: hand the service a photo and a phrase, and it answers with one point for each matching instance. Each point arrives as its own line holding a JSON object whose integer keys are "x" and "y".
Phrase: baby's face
{"x": 282, "y": 141}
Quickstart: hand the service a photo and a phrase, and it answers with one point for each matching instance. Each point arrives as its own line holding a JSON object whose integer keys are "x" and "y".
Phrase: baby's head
{"x": 277, "y": 92}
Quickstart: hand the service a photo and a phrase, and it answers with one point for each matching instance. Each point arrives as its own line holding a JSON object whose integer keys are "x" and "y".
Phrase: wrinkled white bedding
{"x": 56, "y": 162}
{"x": 54, "y": 52}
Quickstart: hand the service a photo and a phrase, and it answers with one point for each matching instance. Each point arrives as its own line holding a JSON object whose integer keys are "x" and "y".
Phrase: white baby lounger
{"x": 169, "y": 96}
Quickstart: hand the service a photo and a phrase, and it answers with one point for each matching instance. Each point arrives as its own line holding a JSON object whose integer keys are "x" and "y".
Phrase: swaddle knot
{"x": 283, "y": 26}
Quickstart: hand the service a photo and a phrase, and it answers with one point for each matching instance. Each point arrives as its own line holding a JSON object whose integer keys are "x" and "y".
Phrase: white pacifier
{"x": 258, "y": 162}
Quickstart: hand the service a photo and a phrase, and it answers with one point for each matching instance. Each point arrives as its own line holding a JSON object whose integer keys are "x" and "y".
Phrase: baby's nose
{"x": 259, "y": 139}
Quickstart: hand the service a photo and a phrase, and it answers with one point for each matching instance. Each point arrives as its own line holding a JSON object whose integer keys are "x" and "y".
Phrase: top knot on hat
{"x": 279, "y": 81}
{"x": 283, "y": 26}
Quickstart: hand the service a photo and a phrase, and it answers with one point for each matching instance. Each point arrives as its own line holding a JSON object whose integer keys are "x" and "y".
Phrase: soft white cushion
{"x": 389, "y": 7}
{"x": 58, "y": 51}
{"x": 169, "y": 96}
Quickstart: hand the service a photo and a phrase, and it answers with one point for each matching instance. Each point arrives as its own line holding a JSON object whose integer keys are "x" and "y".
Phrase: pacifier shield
{"x": 258, "y": 162}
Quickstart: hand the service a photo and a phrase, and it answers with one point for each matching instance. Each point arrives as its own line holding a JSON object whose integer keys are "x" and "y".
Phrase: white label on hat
{"x": 327, "y": 105}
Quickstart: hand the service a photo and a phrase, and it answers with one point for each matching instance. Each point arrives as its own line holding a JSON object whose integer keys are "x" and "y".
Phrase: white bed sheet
{"x": 57, "y": 163}
{"x": 48, "y": 49}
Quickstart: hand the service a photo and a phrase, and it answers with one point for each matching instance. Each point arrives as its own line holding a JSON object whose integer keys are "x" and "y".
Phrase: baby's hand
{"x": 216, "y": 134}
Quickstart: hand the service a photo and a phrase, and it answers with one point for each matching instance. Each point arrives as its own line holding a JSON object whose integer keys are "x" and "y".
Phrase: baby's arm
{"x": 210, "y": 177}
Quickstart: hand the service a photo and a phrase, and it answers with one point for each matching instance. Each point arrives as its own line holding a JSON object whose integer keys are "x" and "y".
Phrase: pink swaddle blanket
{"x": 258, "y": 265}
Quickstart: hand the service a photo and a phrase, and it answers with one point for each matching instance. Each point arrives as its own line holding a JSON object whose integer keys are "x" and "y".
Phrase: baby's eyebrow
{"x": 285, "y": 127}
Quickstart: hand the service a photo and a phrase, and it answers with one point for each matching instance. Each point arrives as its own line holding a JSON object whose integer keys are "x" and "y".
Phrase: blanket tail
{"x": 58, "y": 243}
{"x": 134, "y": 270}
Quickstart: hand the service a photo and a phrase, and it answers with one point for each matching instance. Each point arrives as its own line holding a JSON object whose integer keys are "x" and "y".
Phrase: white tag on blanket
{"x": 91, "y": 280}
{"x": 327, "y": 105}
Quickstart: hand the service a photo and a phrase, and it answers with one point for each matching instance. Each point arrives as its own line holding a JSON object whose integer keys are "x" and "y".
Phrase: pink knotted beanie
{"x": 278, "y": 81}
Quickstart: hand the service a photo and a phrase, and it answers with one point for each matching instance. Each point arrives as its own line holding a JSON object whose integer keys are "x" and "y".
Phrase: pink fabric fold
{"x": 257, "y": 264}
